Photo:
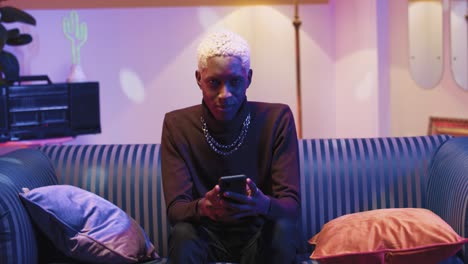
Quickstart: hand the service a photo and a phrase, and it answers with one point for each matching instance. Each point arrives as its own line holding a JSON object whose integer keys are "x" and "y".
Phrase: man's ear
{"x": 198, "y": 77}
{"x": 249, "y": 77}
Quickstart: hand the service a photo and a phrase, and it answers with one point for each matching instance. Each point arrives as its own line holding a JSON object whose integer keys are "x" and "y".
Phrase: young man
{"x": 228, "y": 135}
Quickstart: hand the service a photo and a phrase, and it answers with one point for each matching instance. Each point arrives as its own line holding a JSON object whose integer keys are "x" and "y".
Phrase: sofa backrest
{"x": 127, "y": 175}
{"x": 342, "y": 176}
{"x": 338, "y": 176}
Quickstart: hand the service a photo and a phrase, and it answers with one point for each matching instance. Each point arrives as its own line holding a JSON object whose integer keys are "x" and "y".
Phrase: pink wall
{"x": 317, "y": 71}
{"x": 411, "y": 105}
{"x": 355, "y": 78}
{"x": 356, "y": 72}
{"x": 144, "y": 60}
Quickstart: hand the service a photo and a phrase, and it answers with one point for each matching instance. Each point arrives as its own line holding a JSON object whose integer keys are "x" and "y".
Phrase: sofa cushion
{"x": 401, "y": 235}
{"x": 86, "y": 227}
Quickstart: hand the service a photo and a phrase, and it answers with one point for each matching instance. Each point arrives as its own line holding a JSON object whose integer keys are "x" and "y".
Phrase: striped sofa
{"x": 338, "y": 176}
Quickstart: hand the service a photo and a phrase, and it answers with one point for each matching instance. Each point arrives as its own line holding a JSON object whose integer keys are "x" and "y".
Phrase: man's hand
{"x": 253, "y": 204}
{"x": 217, "y": 208}
{"x": 210, "y": 205}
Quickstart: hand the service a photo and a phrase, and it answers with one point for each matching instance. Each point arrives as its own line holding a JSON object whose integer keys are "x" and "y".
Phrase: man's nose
{"x": 225, "y": 91}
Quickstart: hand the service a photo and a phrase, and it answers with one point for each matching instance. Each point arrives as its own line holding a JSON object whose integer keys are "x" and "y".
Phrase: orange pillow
{"x": 399, "y": 235}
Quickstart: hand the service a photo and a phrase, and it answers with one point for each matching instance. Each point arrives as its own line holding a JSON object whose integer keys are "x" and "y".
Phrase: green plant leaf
{"x": 3, "y": 36}
{"x": 13, "y": 33}
{"x": 9, "y": 66}
{"x": 12, "y": 14}
{"x": 21, "y": 39}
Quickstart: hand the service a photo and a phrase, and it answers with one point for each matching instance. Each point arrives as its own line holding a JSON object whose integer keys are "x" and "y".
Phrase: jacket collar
{"x": 221, "y": 126}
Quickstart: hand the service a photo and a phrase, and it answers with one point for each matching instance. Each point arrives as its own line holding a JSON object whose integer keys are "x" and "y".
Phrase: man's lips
{"x": 224, "y": 107}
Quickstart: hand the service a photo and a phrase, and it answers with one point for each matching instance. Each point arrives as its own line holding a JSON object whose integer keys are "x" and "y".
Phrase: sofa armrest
{"x": 447, "y": 189}
{"x": 23, "y": 168}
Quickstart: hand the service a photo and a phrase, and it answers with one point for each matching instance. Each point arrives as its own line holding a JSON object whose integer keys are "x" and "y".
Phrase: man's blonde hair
{"x": 223, "y": 43}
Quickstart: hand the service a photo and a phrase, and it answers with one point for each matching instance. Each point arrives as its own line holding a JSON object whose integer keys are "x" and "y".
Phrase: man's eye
{"x": 236, "y": 81}
{"x": 213, "y": 83}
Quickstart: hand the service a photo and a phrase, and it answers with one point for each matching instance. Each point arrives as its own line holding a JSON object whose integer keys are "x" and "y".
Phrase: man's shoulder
{"x": 266, "y": 107}
{"x": 185, "y": 112}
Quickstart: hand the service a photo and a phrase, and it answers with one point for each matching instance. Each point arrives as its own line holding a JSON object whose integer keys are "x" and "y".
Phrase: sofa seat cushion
{"x": 399, "y": 235}
{"x": 86, "y": 227}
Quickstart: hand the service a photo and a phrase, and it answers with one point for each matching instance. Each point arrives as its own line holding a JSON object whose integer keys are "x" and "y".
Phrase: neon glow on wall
{"x": 77, "y": 33}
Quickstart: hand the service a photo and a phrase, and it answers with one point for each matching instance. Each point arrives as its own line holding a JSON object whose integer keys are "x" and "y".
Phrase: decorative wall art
{"x": 77, "y": 33}
{"x": 448, "y": 126}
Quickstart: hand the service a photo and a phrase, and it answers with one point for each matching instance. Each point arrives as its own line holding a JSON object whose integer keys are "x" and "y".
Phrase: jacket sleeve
{"x": 285, "y": 198}
{"x": 176, "y": 179}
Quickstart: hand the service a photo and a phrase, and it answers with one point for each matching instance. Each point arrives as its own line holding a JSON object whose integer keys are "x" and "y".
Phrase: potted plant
{"x": 9, "y": 65}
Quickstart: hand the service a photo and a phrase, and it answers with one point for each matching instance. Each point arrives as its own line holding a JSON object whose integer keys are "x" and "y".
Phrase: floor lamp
{"x": 297, "y": 23}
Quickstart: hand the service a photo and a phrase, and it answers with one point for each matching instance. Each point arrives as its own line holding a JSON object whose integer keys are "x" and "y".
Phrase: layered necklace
{"x": 222, "y": 149}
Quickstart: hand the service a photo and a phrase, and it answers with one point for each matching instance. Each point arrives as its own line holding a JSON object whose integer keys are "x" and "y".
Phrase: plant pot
{"x": 76, "y": 74}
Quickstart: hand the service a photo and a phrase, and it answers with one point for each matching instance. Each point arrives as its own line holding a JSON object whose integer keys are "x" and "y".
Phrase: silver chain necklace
{"x": 222, "y": 149}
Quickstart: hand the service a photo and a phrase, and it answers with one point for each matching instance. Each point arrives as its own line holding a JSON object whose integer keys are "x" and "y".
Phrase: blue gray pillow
{"x": 87, "y": 227}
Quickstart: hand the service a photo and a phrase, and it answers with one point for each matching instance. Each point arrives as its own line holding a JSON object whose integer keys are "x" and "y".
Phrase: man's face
{"x": 224, "y": 83}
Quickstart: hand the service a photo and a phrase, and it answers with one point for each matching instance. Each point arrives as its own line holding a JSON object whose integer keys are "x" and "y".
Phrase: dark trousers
{"x": 274, "y": 242}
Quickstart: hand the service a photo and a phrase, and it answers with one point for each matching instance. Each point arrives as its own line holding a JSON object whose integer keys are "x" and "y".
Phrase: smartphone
{"x": 233, "y": 183}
